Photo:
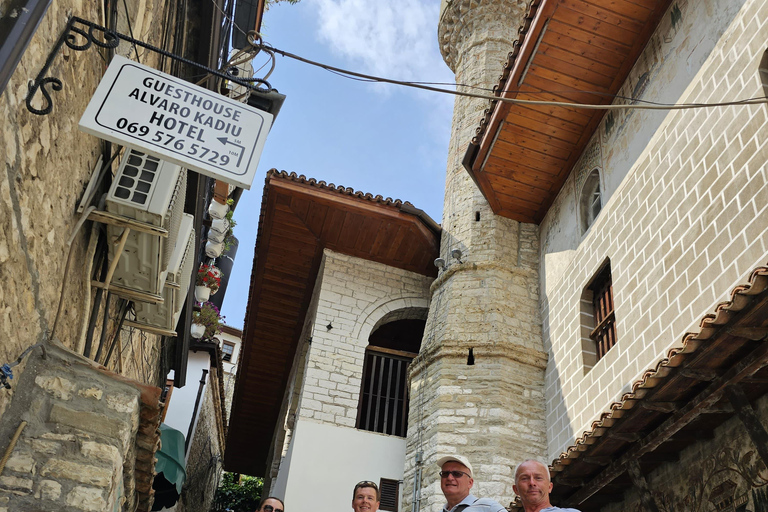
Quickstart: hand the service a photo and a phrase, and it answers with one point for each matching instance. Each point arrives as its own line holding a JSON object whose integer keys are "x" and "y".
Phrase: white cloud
{"x": 391, "y": 38}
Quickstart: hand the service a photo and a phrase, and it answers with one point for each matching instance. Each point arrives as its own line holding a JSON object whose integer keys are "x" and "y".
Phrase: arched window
{"x": 591, "y": 200}
{"x": 764, "y": 72}
{"x": 383, "y": 405}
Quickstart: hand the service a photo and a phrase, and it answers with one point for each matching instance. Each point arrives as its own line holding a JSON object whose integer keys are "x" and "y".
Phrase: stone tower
{"x": 485, "y": 299}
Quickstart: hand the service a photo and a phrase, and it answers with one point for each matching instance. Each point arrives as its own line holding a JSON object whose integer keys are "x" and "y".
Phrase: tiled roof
{"x": 348, "y": 191}
{"x": 710, "y": 325}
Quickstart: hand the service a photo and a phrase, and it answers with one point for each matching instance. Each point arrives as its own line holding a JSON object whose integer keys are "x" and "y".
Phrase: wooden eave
{"x": 680, "y": 401}
{"x": 576, "y": 51}
{"x": 301, "y": 217}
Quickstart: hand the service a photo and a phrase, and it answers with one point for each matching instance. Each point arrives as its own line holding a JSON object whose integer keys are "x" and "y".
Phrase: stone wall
{"x": 724, "y": 473}
{"x": 88, "y": 439}
{"x": 46, "y": 163}
{"x": 356, "y": 296}
{"x": 485, "y": 300}
{"x": 687, "y": 221}
{"x": 206, "y": 452}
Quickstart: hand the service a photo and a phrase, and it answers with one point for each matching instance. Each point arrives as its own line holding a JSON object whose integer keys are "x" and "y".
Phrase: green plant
{"x": 238, "y": 494}
{"x": 209, "y": 316}
{"x": 230, "y": 232}
{"x": 210, "y": 276}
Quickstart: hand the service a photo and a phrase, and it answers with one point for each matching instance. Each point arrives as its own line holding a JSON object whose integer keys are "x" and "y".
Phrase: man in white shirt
{"x": 533, "y": 485}
{"x": 456, "y": 481}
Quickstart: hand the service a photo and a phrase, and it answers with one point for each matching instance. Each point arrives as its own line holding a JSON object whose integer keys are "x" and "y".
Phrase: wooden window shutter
{"x": 390, "y": 494}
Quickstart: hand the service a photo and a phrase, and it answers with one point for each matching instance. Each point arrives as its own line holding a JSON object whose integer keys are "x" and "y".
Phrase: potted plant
{"x": 208, "y": 320}
{"x": 207, "y": 282}
{"x": 229, "y": 235}
{"x": 216, "y": 210}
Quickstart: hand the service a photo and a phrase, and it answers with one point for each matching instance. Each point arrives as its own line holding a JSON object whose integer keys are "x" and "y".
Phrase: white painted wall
{"x": 324, "y": 462}
{"x": 182, "y": 403}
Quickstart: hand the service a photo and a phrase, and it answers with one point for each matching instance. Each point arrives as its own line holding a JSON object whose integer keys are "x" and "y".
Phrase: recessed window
{"x": 598, "y": 317}
{"x": 227, "y": 351}
{"x": 383, "y": 405}
{"x": 591, "y": 200}
{"x": 390, "y": 494}
{"x": 764, "y": 73}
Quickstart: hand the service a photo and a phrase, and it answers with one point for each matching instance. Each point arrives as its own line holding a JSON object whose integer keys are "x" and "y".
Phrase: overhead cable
{"x": 516, "y": 101}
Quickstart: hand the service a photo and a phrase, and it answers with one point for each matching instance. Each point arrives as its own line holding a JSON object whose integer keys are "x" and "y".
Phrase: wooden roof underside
{"x": 712, "y": 377}
{"x": 575, "y": 51}
{"x": 299, "y": 219}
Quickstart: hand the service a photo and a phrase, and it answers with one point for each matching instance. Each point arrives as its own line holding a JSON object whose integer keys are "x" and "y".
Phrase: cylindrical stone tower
{"x": 485, "y": 299}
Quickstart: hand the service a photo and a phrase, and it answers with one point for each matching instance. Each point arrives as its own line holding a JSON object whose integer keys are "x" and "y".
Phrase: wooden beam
{"x": 640, "y": 482}
{"x": 660, "y": 406}
{"x": 629, "y": 437}
{"x": 703, "y": 374}
{"x": 749, "y": 418}
{"x": 570, "y": 482}
{"x": 703, "y": 401}
{"x": 720, "y": 408}
{"x": 751, "y": 333}
{"x": 598, "y": 460}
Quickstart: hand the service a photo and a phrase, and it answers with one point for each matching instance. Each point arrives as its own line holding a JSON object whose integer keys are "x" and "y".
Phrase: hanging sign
{"x": 177, "y": 121}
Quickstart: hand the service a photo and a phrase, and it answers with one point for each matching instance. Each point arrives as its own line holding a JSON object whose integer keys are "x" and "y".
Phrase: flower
{"x": 209, "y": 276}
{"x": 209, "y": 316}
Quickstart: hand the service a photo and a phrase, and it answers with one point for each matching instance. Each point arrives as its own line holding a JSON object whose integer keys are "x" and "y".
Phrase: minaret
{"x": 485, "y": 299}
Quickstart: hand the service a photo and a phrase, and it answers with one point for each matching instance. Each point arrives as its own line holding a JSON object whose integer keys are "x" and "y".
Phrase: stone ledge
{"x": 481, "y": 267}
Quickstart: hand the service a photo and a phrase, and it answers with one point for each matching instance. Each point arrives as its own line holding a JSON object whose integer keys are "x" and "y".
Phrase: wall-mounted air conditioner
{"x": 151, "y": 191}
{"x": 177, "y": 281}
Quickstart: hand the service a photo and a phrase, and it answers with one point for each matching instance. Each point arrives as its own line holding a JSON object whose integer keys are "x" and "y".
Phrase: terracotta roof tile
{"x": 710, "y": 325}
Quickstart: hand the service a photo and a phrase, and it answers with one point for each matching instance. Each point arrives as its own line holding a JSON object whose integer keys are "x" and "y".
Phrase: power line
{"x": 516, "y": 101}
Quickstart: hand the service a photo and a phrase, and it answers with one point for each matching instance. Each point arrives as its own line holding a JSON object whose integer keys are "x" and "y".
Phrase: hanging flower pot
{"x": 213, "y": 249}
{"x": 219, "y": 226}
{"x": 197, "y": 330}
{"x": 215, "y": 236}
{"x": 202, "y": 293}
{"x": 217, "y": 210}
{"x": 209, "y": 317}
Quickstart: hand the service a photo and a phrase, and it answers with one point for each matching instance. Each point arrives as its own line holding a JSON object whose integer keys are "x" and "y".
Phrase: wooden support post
{"x": 749, "y": 418}
{"x": 649, "y": 504}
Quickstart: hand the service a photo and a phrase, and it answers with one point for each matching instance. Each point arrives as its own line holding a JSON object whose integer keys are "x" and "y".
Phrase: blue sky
{"x": 377, "y": 138}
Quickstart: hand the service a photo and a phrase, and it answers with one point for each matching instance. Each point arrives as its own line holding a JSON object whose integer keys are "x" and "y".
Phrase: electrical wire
{"x": 516, "y": 101}
{"x": 130, "y": 30}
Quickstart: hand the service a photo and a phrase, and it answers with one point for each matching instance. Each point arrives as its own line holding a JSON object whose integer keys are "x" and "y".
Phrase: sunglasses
{"x": 367, "y": 483}
{"x": 454, "y": 474}
{"x": 270, "y": 508}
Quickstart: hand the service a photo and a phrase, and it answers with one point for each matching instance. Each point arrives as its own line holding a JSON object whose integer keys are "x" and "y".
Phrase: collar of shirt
{"x": 470, "y": 499}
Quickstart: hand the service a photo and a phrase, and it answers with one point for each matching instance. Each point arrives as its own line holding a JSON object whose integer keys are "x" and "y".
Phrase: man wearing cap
{"x": 533, "y": 485}
{"x": 456, "y": 481}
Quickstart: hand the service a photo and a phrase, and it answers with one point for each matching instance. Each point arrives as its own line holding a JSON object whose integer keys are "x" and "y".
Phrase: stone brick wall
{"x": 355, "y": 297}
{"x": 487, "y": 299}
{"x": 206, "y": 451}
{"x": 685, "y": 224}
{"x": 89, "y": 438}
{"x": 46, "y": 163}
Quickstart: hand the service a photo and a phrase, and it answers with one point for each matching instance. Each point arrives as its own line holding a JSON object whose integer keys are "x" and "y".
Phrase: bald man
{"x": 533, "y": 485}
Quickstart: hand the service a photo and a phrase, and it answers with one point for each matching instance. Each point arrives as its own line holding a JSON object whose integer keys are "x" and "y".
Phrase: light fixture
{"x": 440, "y": 263}
{"x": 329, "y": 326}
{"x": 456, "y": 254}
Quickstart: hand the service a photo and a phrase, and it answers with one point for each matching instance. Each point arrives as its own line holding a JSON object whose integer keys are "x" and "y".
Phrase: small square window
{"x": 227, "y": 350}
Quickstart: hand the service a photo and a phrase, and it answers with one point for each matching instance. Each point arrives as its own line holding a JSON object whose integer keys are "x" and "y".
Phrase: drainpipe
{"x": 417, "y": 483}
{"x": 194, "y": 412}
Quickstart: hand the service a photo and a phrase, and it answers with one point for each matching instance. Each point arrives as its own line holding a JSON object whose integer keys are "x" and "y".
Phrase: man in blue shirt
{"x": 533, "y": 485}
{"x": 456, "y": 481}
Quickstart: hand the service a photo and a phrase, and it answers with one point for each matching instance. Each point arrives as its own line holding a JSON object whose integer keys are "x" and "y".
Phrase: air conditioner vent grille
{"x": 139, "y": 173}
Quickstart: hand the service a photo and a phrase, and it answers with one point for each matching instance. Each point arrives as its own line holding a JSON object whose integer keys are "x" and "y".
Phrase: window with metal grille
{"x": 604, "y": 333}
{"x": 390, "y": 494}
{"x": 227, "y": 350}
{"x": 383, "y": 405}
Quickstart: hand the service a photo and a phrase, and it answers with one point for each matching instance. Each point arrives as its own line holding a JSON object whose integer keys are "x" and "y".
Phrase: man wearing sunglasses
{"x": 271, "y": 504}
{"x": 365, "y": 497}
{"x": 456, "y": 481}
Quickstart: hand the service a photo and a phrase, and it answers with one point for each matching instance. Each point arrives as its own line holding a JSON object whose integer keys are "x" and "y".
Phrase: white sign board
{"x": 150, "y": 111}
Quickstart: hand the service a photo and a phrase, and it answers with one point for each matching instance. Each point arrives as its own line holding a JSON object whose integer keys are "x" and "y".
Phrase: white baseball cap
{"x": 456, "y": 458}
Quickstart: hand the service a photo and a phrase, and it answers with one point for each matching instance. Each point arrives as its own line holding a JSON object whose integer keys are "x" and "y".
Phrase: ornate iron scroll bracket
{"x": 78, "y": 29}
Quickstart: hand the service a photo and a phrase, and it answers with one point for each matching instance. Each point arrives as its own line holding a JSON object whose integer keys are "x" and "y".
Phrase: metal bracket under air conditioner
{"x": 127, "y": 224}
